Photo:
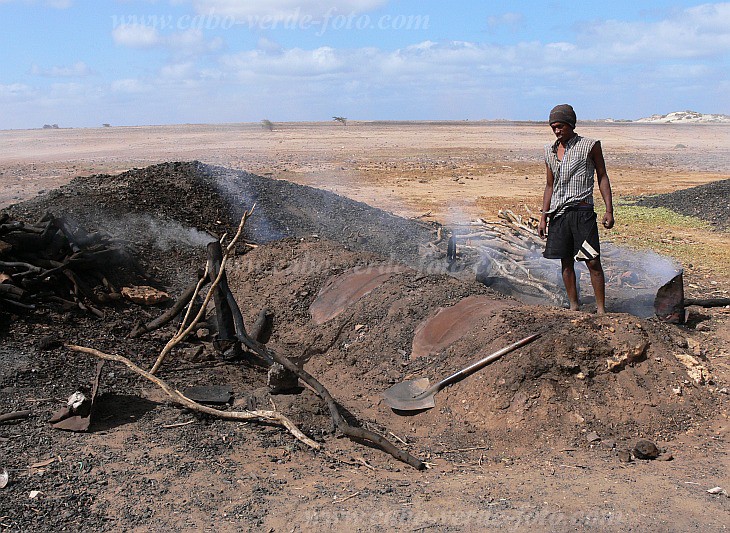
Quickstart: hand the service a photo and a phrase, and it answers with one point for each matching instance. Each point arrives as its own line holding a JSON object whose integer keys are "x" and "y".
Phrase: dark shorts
{"x": 573, "y": 234}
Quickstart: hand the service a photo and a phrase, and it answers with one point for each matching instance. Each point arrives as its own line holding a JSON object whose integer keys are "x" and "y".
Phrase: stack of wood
{"x": 56, "y": 261}
{"x": 510, "y": 252}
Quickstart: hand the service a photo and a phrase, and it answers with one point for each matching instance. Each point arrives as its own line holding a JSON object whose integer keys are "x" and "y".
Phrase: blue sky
{"x": 81, "y": 63}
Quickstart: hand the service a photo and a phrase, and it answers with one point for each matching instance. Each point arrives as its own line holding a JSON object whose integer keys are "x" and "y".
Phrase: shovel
{"x": 416, "y": 395}
{"x": 670, "y": 303}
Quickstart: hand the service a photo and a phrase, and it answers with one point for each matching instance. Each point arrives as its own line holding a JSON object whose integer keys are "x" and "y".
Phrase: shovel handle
{"x": 469, "y": 370}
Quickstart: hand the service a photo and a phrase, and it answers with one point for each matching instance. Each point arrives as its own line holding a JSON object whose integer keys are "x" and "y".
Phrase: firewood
{"x": 13, "y": 265}
{"x": 264, "y": 326}
{"x": 272, "y": 417}
{"x": 12, "y": 292}
{"x": 40, "y": 259}
{"x": 177, "y": 308}
{"x": 223, "y": 307}
{"x": 354, "y": 433}
{"x": 186, "y": 327}
{"x": 145, "y": 295}
{"x": 17, "y": 415}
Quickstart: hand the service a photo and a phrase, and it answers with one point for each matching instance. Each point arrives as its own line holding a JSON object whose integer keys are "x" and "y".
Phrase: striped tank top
{"x": 574, "y": 175}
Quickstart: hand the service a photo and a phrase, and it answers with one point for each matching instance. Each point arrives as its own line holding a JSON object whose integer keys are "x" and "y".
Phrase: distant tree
{"x": 267, "y": 125}
{"x": 107, "y": 125}
{"x": 342, "y": 120}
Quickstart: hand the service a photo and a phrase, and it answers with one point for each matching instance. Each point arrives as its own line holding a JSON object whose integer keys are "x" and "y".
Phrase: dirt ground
{"x": 533, "y": 442}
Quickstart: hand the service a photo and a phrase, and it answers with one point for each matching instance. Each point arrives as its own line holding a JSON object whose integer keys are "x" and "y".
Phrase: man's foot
{"x": 574, "y": 306}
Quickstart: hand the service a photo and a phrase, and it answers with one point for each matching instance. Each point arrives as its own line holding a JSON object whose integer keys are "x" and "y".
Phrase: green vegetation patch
{"x": 668, "y": 233}
{"x": 650, "y": 217}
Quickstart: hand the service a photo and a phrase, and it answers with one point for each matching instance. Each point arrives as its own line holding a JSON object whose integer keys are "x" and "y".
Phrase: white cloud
{"x": 68, "y": 90}
{"x": 269, "y": 46}
{"x": 178, "y": 71}
{"x": 130, "y": 85}
{"x": 136, "y": 36}
{"x": 188, "y": 42}
{"x": 701, "y": 31}
{"x": 14, "y": 90}
{"x": 191, "y": 42}
{"x": 293, "y": 63}
{"x": 77, "y": 70}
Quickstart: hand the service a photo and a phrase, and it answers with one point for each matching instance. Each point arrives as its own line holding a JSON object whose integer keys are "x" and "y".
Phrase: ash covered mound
{"x": 707, "y": 202}
{"x": 183, "y": 205}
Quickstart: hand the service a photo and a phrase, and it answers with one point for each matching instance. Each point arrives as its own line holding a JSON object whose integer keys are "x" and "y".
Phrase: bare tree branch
{"x": 273, "y": 417}
{"x": 211, "y": 291}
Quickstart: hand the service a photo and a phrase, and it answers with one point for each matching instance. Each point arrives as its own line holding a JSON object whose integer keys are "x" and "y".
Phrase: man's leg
{"x": 598, "y": 280}
{"x": 569, "y": 280}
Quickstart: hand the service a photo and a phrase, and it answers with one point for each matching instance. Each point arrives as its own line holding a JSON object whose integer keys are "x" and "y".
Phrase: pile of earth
{"x": 616, "y": 375}
{"x": 588, "y": 378}
{"x": 612, "y": 374}
{"x": 707, "y": 202}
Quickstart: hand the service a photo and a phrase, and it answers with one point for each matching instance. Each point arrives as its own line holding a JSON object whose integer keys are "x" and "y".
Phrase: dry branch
{"x": 273, "y": 417}
{"x": 17, "y": 415}
{"x": 539, "y": 286}
{"x": 504, "y": 247}
{"x": 354, "y": 433}
{"x": 211, "y": 291}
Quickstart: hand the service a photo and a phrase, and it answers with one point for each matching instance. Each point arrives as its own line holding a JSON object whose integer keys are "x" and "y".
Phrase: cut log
{"x": 264, "y": 326}
{"x": 145, "y": 295}
{"x": 227, "y": 339}
{"x": 181, "y": 303}
{"x": 17, "y": 415}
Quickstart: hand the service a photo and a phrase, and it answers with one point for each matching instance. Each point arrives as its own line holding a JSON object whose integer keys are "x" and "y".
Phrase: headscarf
{"x": 563, "y": 113}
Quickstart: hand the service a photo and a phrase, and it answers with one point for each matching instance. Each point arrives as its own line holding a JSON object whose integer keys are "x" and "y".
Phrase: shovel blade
{"x": 669, "y": 301}
{"x": 406, "y": 396}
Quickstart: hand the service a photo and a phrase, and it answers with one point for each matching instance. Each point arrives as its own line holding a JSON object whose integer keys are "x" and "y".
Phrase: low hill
{"x": 686, "y": 117}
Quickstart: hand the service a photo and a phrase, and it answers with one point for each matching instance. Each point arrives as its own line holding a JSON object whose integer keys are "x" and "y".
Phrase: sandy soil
{"x": 533, "y": 465}
{"x": 405, "y": 168}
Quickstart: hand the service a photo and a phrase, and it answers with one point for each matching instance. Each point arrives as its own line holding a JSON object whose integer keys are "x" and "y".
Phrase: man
{"x": 567, "y": 203}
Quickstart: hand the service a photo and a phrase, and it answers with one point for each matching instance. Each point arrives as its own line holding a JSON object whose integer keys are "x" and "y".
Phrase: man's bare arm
{"x": 546, "y": 197}
{"x": 604, "y": 184}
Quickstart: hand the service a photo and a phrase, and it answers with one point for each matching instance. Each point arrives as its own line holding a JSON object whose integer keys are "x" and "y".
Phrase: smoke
{"x": 635, "y": 277}
{"x": 632, "y": 278}
{"x": 240, "y": 193}
{"x": 163, "y": 235}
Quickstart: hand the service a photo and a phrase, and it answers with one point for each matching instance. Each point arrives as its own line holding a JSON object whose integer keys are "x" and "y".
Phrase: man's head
{"x": 562, "y": 121}
{"x": 563, "y": 113}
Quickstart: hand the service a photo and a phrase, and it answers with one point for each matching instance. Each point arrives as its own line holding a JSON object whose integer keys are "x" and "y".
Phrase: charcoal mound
{"x": 181, "y": 206}
{"x": 707, "y": 202}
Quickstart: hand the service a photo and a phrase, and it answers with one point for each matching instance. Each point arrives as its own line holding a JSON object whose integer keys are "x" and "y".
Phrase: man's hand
{"x": 608, "y": 220}
{"x": 542, "y": 227}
